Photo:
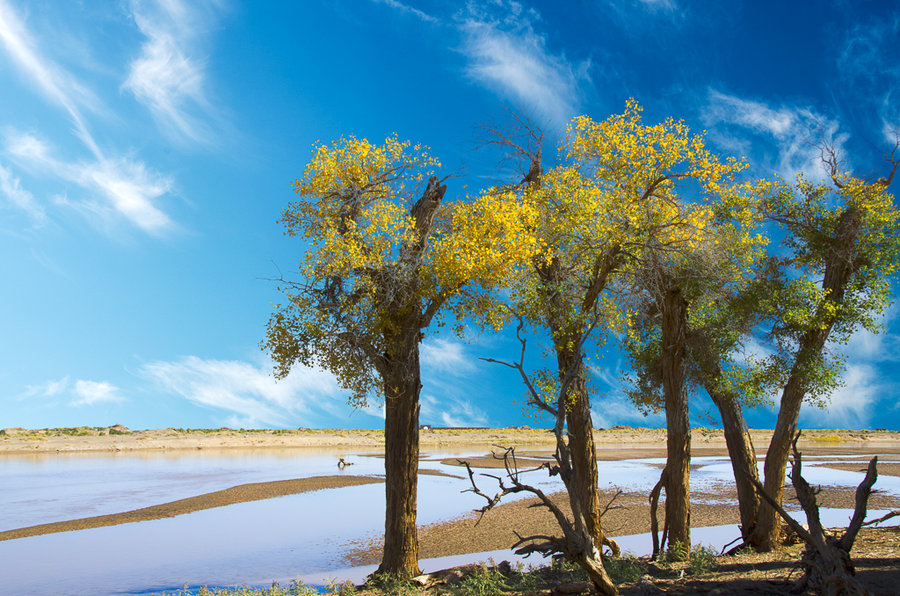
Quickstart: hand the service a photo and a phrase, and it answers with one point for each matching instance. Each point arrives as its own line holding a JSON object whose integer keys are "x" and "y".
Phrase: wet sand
{"x": 242, "y": 493}
{"x": 630, "y": 515}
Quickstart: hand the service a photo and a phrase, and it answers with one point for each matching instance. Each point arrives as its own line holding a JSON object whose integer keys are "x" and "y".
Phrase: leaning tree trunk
{"x": 841, "y": 262}
{"x": 767, "y": 532}
{"x": 401, "y": 467}
{"x": 678, "y": 426}
{"x": 743, "y": 459}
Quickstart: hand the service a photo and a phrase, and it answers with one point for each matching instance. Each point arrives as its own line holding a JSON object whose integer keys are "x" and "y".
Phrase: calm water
{"x": 307, "y": 535}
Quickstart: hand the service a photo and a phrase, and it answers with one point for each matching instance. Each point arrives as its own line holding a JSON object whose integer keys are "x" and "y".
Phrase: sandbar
{"x": 255, "y": 491}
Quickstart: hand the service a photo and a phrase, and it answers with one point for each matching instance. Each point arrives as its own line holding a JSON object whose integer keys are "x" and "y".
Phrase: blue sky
{"x": 147, "y": 149}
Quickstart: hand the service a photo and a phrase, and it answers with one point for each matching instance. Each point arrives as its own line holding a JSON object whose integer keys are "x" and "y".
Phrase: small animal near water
{"x": 342, "y": 463}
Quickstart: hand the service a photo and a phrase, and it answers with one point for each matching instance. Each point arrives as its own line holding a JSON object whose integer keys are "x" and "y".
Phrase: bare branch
{"x": 892, "y": 514}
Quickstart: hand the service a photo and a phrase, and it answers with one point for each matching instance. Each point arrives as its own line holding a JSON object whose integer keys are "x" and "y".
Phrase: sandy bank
{"x": 121, "y": 439}
{"x": 237, "y": 494}
{"x": 630, "y": 514}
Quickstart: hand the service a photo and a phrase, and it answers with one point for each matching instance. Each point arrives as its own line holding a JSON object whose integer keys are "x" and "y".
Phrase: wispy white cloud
{"x": 853, "y": 404}
{"x": 248, "y": 392}
{"x": 53, "y": 82}
{"x": 93, "y": 392}
{"x": 406, "y": 9}
{"x": 82, "y": 392}
{"x": 868, "y": 383}
{"x": 444, "y": 356}
{"x": 451, "y": 411}
{"x": 611, "y": 410}
{"x": 865, "y": 73}
{"x": 612, "y": 406}
{"x": 507, "y": 54}
{"x": 663, "y": 5}
{"x": 168, "y": 77}
{"x": 789, "y": 137}
{"x": 127, "y": 187}
{"x": 11, "y": 188}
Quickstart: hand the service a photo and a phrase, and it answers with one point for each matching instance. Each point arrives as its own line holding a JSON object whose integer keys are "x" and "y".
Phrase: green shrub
{"x": 484, "y": 581}
{"x": 676, "y": 552}
{"x": 703, "y": 559}
{"x": 625, "y": 570}
{"x": 393, "y": 585}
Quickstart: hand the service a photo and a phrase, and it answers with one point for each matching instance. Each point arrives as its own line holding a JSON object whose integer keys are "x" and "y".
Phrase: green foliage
{"x": 843, "y": 248}
{"x": 341, "y": 589}
{"x": 704, "y": 559}
{"x": 526, "y": 579}
{"x": 625, "y": 570}
{"x": 676, "y": 552}
{"x": 393, "y": 585}
{"x": 484, "y": 581}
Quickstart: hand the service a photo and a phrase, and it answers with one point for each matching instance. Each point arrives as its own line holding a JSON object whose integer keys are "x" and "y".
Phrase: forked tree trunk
{"x": 841, "y": 262}
{"x": 743, "y": 459}
{"x": 678, "y": 426}
{"x": 401, "y": 468}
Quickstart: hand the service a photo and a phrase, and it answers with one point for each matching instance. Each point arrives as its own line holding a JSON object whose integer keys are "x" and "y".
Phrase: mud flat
{"x": 637, "y": 441}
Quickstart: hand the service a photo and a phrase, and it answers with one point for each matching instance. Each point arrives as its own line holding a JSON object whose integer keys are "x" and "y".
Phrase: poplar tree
{"x": 843, "y": 245}
{"x": 385, "y": 258}
{"x": 610, "y": 204}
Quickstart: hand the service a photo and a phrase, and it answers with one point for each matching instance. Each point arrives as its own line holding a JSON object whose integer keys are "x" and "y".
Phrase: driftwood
{"x": 828, "y": 569}
{"x": 576, "y": 543}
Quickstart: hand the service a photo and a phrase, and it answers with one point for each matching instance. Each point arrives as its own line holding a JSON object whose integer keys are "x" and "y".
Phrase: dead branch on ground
{"x": 826, "y": 560}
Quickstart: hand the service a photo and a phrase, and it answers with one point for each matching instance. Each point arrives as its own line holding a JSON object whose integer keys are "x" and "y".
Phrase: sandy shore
{"x": 121, "y": 439}
{"x": 630, "y": 513}
{"x": 242, "y": 493}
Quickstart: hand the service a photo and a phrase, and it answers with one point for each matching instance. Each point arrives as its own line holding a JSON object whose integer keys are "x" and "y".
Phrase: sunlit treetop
{"x": 851, "y": 226}
{"x": 384, "y": 256}
{"x": 841, "y": 252}
{"x": 625, "y": 190}
{"x": 632, "y": 158}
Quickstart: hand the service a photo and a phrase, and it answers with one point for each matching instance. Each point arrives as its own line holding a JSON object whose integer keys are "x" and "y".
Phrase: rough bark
{"x": 841, "y": 263}
{"x": 743, "y": 459}
{"x": 678, "y": 428}
{"x": 826, "y": 558}
{"x": 581, "y": 447}
{"x": 401, "y": 466}
{"x": 767, "y": 532}
{"x": 567, "y": 344}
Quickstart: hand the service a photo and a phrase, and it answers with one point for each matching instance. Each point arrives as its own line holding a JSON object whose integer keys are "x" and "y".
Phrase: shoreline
{"x": 118, "y": 439}
{"x": 242, "y": 493}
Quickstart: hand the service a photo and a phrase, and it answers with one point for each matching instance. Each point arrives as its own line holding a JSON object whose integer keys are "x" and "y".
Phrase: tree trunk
{"x": 743, "y": 459}
{"x": 581, "y": 447}
{"x": 841, "y": 262}
{"x": 401, "y": 467}
{"x": 678, "y": 426}
{"x": 766, "y": 534}
{"x": 567, "y": 343}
